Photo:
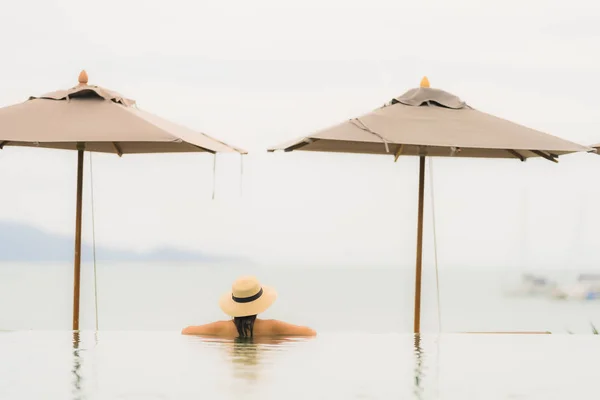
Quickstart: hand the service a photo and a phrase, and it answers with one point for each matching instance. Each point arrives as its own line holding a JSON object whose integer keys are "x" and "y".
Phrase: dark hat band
{"x": 247, "y": 299}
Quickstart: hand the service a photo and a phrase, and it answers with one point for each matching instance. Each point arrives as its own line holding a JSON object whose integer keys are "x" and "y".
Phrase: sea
{"x": 129, "y": 345}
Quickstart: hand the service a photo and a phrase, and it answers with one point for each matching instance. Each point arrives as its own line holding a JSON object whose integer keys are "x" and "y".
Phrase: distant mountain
{"x": 21, "y": 242}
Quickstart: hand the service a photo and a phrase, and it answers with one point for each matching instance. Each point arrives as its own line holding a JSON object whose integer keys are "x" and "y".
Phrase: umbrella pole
{"x": 417, "y": 322}
{"x": 77, "y": 261}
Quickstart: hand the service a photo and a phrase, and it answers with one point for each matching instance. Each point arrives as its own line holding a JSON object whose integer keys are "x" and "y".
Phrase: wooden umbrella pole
{"x": 417, "y": 325}
{"x": 77, "y": 261}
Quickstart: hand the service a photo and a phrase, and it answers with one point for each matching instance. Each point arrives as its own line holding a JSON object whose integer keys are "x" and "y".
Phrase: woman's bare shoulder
{"x": 217, "y": 328}
{"x": 282, "y": 328}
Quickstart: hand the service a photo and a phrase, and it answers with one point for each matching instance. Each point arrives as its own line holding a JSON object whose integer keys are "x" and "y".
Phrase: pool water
{"x": 166, "y": 365}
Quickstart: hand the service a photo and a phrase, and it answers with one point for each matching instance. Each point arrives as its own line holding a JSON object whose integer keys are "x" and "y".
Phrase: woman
{"x": 244, "y": 302}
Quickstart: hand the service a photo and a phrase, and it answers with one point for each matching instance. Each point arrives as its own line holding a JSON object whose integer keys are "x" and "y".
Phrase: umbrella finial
{"x": 424, "y": 82}
{"x": 83, "y": 77}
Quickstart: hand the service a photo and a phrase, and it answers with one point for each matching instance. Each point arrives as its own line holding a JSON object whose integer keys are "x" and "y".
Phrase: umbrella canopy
{"x": 92, "y": 118}
{"x": 101, "y": 119}
{"x": 431, "y": 122}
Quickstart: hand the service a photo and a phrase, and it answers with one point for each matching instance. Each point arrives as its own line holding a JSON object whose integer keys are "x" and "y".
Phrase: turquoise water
{"x": 166, "y": 365}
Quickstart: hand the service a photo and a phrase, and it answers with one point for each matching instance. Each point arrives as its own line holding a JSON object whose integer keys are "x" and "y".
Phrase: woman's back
{"x": 261, "y": 328}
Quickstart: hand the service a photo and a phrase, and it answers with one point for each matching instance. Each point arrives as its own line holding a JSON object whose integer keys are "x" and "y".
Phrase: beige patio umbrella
{"x": 95, "y": 119}
{"x": 428, "y": 122}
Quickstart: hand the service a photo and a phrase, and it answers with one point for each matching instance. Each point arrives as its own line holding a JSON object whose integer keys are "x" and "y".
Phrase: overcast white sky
{"x": 257, "y": 73}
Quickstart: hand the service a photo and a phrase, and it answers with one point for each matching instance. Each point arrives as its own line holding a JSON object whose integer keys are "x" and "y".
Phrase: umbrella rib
{"x": 203, "y": 148}
{"x": 549, "y": 157}
{"x": 117, "y": 149}
{"x": 398, "y": 152}
{"x": 303, "y": 143}
{"x": 516, "y": 154}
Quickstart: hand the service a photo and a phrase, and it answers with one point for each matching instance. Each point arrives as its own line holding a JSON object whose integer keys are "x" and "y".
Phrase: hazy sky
{"x": 258, "y": 73}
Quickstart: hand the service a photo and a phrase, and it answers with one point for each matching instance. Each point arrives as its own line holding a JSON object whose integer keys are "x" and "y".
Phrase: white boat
{"x": 532, "y": 285}
{"x": 587, "y": 287}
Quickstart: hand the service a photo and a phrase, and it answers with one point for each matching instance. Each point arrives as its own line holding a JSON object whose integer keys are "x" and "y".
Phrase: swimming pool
{"x": 166, "y": 365}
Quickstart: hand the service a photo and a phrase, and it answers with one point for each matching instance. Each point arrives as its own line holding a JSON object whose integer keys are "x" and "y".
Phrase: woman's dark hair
{"x": 245, "y": 325}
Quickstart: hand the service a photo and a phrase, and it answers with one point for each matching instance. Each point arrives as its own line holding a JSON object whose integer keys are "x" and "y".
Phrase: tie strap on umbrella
{"x": 360, "y": 125}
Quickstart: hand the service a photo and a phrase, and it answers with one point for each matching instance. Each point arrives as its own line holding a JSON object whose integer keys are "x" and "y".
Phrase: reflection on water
{"x": 167, "y": 365}
{"x": 248, "y": 356}
{"x": 77, "y": 379}
{"x": 245, "y": 356}
{"x": 418, "y": 391}
{"x": 426, "y": 352}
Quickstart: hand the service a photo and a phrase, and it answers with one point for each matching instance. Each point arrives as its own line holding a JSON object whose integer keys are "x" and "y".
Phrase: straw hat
{"x": 247, "y": 297}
